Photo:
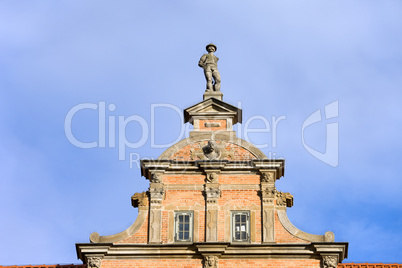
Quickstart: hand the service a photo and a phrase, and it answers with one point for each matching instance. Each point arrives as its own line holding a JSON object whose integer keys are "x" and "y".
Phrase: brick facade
{"x": 212, "y": 177}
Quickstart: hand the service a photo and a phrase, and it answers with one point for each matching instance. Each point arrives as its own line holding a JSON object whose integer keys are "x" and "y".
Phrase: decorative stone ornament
{"x": 211, "y": 151}
{"x": 139, "y": 199}
{"x": 330, "y": 261}
{"x": 268, "y": 192}
{"x": 284, "y": 199}
{"x": 94, "y": 262}
{"x": 212, "y": 177}
{"x": 157, "y": 192}
{"x": 212, "y": 192}
{"x": 211, "y": 261}
{"x": 220, "y": 149}
{"x": 267, "y": 177}
{"x": 156, "y": 178}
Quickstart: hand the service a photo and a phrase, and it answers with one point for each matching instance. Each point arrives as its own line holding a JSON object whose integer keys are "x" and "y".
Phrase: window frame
{"x": 176, "y": 226}
{"x": 233, "y": 226}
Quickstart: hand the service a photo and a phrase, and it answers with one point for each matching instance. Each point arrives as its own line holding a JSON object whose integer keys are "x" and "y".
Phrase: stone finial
{"x": 209, "y": 62}
{"x": 210, "y": 261}
{"x": 94, "y": 262}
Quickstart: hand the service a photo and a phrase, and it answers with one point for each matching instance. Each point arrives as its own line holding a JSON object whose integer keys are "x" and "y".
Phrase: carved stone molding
{"x": 268, "y": 201}
{"x": 94, "y": 262}
{"x": 139, "y": 199}
{"x": 284, "y": 199}
{"x": 268, "y": 177}
{"x": 284, "y": 220}
{"x": 268, "y": 192}
{"x": 329, "y": 261}
{"x": 212, "y": 192}
{"x": 212, "y": 177}
{"x": 156, "y": 177}
{"x": 211, "y": 151}
{"x": 211, "y": 261}
{"x": 156, "y": 202}
{"x": 141, "y": 218}
{"x": 156, "y": 191}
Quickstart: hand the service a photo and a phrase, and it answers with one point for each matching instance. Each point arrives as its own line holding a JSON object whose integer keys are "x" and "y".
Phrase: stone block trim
{"x": 212, "y": 125}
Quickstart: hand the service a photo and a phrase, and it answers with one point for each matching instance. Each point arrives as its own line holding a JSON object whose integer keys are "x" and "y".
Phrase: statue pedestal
{"x": 213, "y": 94}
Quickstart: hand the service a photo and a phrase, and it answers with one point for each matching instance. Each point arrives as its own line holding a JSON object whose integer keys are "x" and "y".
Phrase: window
{"x": 183, "y": 226}
{"x": 240, "y": 226}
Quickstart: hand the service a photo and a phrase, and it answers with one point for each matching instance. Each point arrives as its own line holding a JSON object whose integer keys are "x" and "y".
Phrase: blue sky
{"x": 277, "y": 58}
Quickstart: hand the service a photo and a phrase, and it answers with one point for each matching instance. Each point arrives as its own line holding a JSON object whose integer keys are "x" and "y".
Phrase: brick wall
{"x": 193, "y": 263}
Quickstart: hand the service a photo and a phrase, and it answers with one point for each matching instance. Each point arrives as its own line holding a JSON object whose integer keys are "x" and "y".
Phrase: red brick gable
{"x": 230, "y": 151}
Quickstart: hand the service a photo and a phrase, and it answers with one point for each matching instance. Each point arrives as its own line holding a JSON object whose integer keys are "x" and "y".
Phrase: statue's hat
{"x": 211, "y": 45}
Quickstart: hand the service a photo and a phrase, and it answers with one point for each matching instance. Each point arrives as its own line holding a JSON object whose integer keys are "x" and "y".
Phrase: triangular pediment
{"x": 213, "y": 107}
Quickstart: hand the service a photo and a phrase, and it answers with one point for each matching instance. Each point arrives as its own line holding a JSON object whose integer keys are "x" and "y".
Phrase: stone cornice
{"x": 223, "y": 166}
{"x": 225, "y": 250}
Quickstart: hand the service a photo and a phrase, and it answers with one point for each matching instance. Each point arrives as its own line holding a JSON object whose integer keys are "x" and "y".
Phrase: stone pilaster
{"x": 212, "y": 194}
{"x": 268, "y": 178}
{"x": 156, "y": 195}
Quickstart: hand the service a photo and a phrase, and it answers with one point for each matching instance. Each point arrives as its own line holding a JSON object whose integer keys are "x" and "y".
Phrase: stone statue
{"x": 209, "y": 62}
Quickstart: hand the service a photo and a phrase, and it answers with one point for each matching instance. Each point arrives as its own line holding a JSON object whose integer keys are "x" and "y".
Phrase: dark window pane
{"x": 186, "y": 235}
{"x": 187, "y": 227}
{"x": 237, "y": 235}
{"x": 243, "y": 218}
{"x": 180, "y": 236}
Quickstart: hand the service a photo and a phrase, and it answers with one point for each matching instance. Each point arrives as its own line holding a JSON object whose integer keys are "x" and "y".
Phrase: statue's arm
{"x": 201, "y": 63}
